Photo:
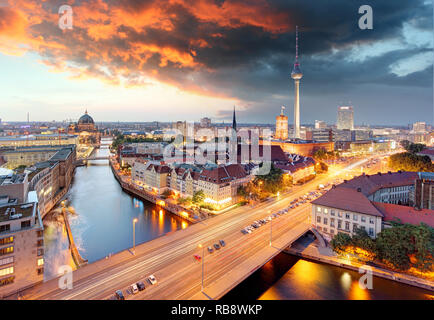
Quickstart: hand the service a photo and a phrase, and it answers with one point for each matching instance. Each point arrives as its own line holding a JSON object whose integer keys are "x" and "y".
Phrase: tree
{"x": 321, "y": 167}
{"x": 166, "y": 194}
{"x": 340, "y": 242}
{"x": 198, "y": 197}
{"x": 410, "y": 162}
{"x": 412, "y": 147}
{"x": 185, "y": 201}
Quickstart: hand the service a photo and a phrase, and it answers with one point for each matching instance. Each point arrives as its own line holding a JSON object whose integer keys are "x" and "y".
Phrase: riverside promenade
{"x": 326, "y": 255}
{"x": 129, "y": 187}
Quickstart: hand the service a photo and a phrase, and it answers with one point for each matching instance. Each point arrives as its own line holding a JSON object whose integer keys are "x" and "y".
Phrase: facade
{"x": 153, "y": 177}
{"x": 38, "y": 140}
{"x": 21, "y": 247}
{"x": 86, "y": 130}
{"x": 281, "y": 126}
{"x": 419, "y": 127}
{"x": 367, "y": 202}
{"x": 320, "y": 135}
{"x": 345, "y": 118}
{"x": 319, "y": 124}
{"x": 422, "y": 196}
{"x": 303, "y": 147}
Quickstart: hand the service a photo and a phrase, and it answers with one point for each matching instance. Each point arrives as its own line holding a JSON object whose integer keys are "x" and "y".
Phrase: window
{"x": 40, "y": 252}
{"x": 6, "y": 261}
{"x": 347, "y": 216}
{"x": 371, "y": 220}
{"x": 339, "y": 214}
{"x": 339, "y": 224}
{"x": 325, "y": 220}
{"x": 40, "y": 243}
{"x": 318, "y": 209}
{"x": 318, "y": 219}
{"x": 326, "y": 210}
{"x": 332, "y": 222}
{"x": 347, "y": 226}
{"x": 371, "y": 231}
{"x": 6, "y": 240}
{"x": 25, "y": 224}
{"x": 325, "y": 229}
{"x": 39, "y": 233}
{"x": 40, "y": 271}
{"x": 363, "y": 219}
{"x": 355, "y": 217}
{"x": 332, "y": 212}
{"x": 6, "y": 281}
{"x": 5, "y": 228}
{"x": 354, "y": 227}
{"x": 7, "y": 250}
{"x": 40, "y": 262}
{"x": 6, "y": 271}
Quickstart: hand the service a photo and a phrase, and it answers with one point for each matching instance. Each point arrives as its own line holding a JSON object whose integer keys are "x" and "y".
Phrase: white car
{"x": 152, "y": 279}
{"x": 134, "y": 288}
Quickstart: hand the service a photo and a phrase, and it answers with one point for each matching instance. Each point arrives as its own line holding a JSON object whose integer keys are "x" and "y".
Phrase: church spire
{"x": 234, "y": 121}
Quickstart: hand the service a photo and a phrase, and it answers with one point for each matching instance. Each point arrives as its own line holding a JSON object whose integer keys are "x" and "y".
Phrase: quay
{"x": 79, "y": 261}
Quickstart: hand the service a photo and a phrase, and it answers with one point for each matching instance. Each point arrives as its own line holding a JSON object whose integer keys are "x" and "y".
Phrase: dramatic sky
{"x": 165, "y": 60}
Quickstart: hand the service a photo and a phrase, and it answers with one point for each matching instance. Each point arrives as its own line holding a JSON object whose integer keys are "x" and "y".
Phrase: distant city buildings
{"x": 345, "y": 119}
{"x": 205, "y": 122}
{"x": 319, "y": 124}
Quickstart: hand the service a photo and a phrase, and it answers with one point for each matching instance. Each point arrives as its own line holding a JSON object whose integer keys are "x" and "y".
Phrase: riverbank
{"x": 326, "y": 255}
{"x": 151, "y": 197}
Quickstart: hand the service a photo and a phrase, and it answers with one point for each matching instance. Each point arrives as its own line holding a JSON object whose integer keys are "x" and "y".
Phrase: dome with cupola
{"x": 85, "y": 119}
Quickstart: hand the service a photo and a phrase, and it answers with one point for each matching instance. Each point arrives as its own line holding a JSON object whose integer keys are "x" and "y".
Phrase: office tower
{"x": 345, "y": 119}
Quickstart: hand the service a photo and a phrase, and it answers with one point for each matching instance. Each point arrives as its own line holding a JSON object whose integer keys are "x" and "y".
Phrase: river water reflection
{"x": 103, "y": 219}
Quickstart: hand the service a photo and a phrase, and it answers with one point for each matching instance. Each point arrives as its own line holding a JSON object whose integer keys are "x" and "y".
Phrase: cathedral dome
{"x": 85, "y": 119}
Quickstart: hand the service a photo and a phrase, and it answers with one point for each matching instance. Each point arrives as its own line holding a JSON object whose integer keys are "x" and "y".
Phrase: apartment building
{"x": 21, "y": 246}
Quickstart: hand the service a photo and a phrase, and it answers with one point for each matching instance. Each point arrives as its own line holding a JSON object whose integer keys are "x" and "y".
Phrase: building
{"x": 38, "y": 140}
{"x": 296, "y": 75}
{"x": 281, "y": 126}
{"x": 367, "y": 202}
{"x": 345, "y": 118}
{"x": 303, "y": 147}
{"x": 320, "y": 135}
{"x": 319, "y": 124}
{"x": 419, "y": 127}
{"x": 14, "y": 188}
{"x": 28, "y": 156}
{"x": 422, "y": 196}
{"x": 298, "y": 167}
{"x": 153, "y": 177}
{"x": 21, "y": 247}
{"x": 86, "y": 129}
{"x": 205, "y": 122}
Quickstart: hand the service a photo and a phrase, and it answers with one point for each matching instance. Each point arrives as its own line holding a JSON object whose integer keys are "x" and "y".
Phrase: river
{"x": 102, "y": 224}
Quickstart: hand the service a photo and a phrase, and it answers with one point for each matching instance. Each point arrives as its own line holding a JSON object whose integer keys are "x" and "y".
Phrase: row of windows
{"x": 347, "y": 215}
{"x": 6, "y": 261}
{"x": 7, "y": 227}
{"x": 343, "y": 225}
{"x": 6, "y": 271}
{"x": 332, "y": 231}
{"x": 6, "y": 240}
{"x": 6, "y": 281}
{"x": 4, "y": 251}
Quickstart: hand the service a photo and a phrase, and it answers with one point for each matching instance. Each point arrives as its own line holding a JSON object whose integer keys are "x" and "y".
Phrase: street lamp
{"x": 134, "y": 235}
{"x": 203, "y": 261}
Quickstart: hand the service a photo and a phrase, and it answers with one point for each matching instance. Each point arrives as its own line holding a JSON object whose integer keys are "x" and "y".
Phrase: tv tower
{"x": 296, "y": 75}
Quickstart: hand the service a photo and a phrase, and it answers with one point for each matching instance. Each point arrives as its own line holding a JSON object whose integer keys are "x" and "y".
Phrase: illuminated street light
{"x": 134, "y": 235}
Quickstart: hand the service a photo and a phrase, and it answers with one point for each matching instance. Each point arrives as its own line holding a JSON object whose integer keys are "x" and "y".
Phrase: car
{"x": 255, "y": 226}
{"x": 119, "y": 295}
{"x": 141, "y": 286}
{"x": 249, "y": 230}
{"x": 152, "y": 279}
{"x": 222, "y": 243}
{"x": 244, "y": 231}
{"x": 197, "y": 257}
{"x": 210, "y": 250}
{"x": 134, "y": 288}
{"x": 216, "y": 246}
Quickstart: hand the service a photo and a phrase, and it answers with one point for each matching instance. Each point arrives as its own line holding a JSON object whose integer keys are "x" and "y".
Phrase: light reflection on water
{"x": 103, "y": 219}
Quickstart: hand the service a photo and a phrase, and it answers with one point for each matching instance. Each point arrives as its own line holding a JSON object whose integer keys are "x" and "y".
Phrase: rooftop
{"x": 394, "y": 212}
{"x": 347, "y": 199}
{"x": 14, "y": 212}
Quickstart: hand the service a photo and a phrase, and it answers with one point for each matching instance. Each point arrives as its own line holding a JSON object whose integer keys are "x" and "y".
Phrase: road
{"x": 170, "y": 257}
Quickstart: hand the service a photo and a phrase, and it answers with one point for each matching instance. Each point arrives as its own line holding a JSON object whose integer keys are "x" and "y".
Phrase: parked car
{"x": 216, "y": 246}
{"x": 141, "y": 286}
{"x": 134, "y": 288}
{"x": 210, "y": 250}
{"x": 152, "y": 279}
{"x": 119, "y": 295}
{"x": 244, "y": 231}
{"x": 197, "y": 257}
{"x": 222, "y": 243}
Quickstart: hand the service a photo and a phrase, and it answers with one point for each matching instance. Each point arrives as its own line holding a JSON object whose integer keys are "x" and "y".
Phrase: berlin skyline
{"x": 175, "y": 60}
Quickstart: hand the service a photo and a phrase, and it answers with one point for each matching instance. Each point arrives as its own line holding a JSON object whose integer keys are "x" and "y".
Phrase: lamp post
{"x": 134, "y": 235}
{"x": 203, "y": 261}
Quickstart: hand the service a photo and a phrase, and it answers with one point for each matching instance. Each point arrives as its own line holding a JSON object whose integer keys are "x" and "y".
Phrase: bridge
{"x": 170, "y": 258}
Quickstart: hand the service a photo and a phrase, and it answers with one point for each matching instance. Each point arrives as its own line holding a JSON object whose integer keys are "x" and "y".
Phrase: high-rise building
{"x": 345, "y": 119}
{"x": 281, "y": 126}
{"x": 319, "y": 124}
{"x": 419, "y": 127}
{"x": 296, "y": 75}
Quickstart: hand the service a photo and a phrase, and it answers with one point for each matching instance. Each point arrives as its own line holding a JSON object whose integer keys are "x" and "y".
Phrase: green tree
{"x": 340, "y": 242}
{"x": 410, "y": 162}
{"x": 198, "y": 197}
